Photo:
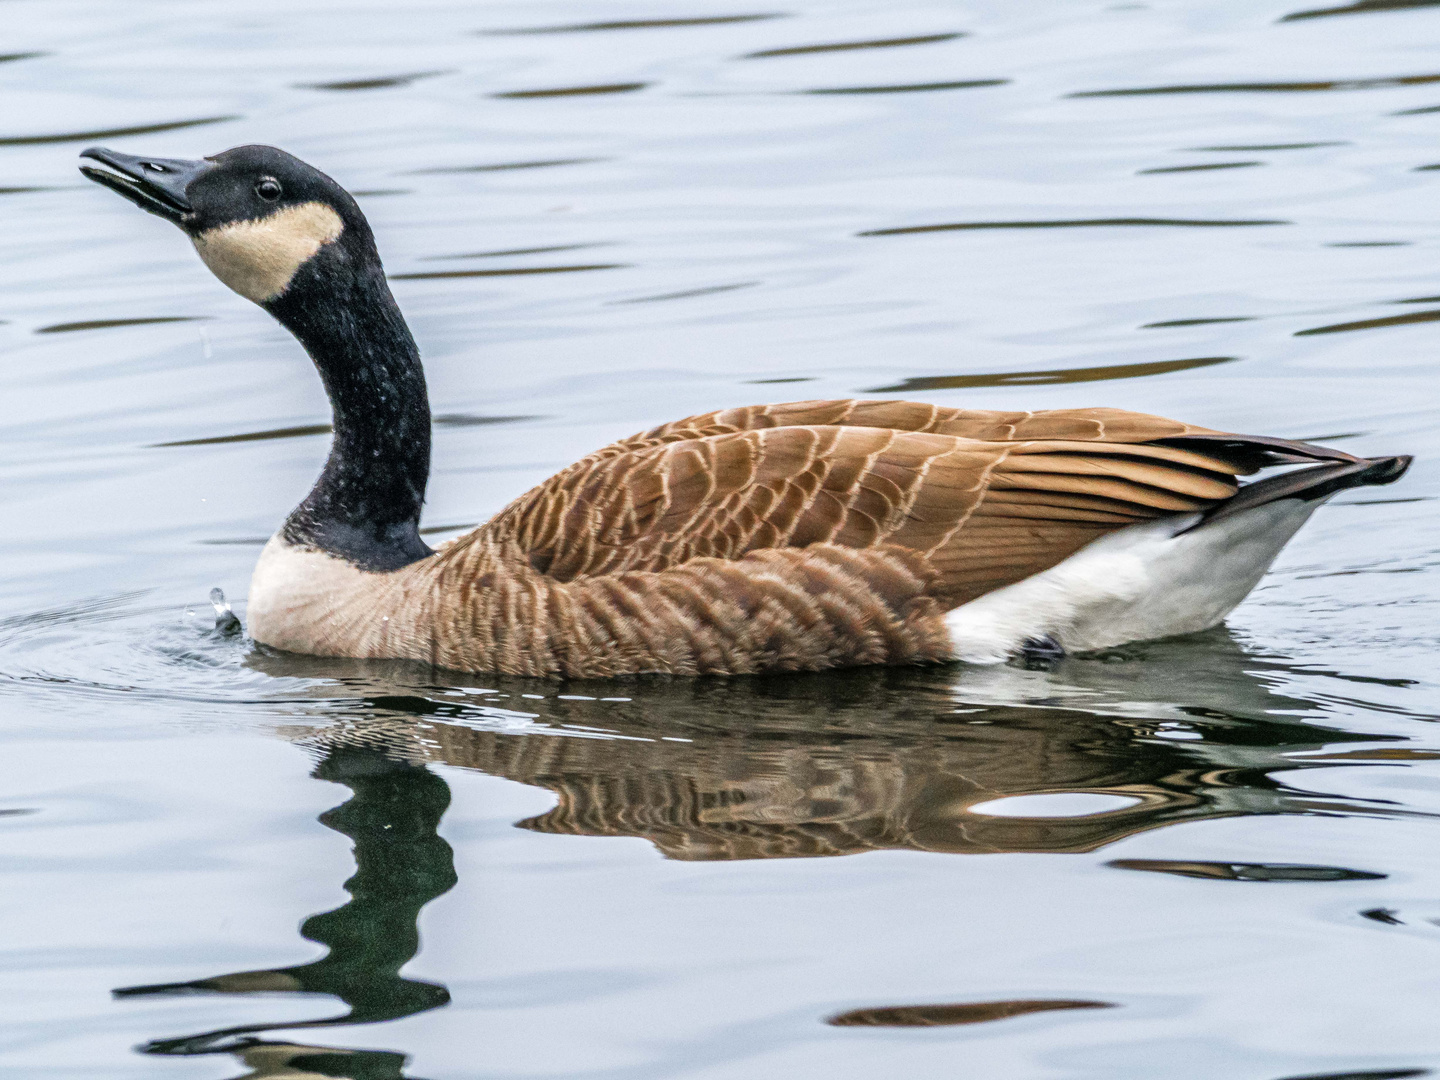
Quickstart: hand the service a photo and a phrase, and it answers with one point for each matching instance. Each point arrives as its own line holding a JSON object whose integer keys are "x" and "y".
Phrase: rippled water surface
{"x": 1209, "y": 857}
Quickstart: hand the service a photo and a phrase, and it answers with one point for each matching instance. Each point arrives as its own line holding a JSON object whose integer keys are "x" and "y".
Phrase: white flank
{"x": 1136, "y": 584}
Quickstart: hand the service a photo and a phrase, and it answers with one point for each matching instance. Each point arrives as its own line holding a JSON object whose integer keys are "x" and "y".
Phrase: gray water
{"x": 1204, "y": 858}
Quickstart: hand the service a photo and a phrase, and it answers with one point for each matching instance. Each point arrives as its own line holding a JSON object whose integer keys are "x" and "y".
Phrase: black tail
{"x": 1313, "y": 483}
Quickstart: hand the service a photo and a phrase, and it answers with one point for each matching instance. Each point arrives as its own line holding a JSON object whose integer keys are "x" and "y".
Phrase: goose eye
{"x": 268, "y": 189}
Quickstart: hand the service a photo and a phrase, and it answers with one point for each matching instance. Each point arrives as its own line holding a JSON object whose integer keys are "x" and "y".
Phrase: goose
{"x": 786, "y": 537}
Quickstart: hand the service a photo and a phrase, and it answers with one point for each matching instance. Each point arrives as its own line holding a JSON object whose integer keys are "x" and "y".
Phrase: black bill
{"x": 154, "y": 184}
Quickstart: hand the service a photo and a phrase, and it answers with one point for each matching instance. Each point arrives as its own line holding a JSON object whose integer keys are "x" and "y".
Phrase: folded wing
{"x": 986, "y": 498}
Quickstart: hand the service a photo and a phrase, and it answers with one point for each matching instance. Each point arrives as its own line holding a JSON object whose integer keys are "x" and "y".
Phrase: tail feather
{"x": 1251, "y": 453}
{"x": 1318, "y": 482}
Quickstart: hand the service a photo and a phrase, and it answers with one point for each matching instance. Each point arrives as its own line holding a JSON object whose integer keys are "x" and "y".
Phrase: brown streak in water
{"x": 1225, "y": 871}
{"x": 1264, "y": 88}
{"x": 1202, "y": 168}
{"x": 1417, "y": 112}
{"x": 636, "y": 24}
{"x": 1372, "y": 324}
{"x": 1045, "y": 378}
{"x": 370, "y": 193}
{"x": 6, "y": 58}
{"x": 26, "y": 190}
{"x": 513, "y": 271}
{"x": 574, "y": 91}
{"x": 1419, "y": 300}
{"x": 1360, "y": 7}
{"x": 379, "y": 83}
{"x": 978, "y": 1012}
{"x": 1196, "y": 322}
{"x": 506, "y": 166}
{"x": 1264, "y": 146}
{"x": 106, "y": 324}
{"x": 1369, "y": 243}
{"x": 1077, "y": 223}
{"x": 846, "y": 46}
{"x": 1382, "y": 753}
{"x": 111, "y": 133}
{"x": 442, "y": 420}
{"x": 968, "y": 84}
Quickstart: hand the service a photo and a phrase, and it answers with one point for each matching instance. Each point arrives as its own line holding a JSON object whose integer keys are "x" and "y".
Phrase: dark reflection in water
{"x": 1382, "y": 1074}
{"x": 511, "y": 251}
{"x": 1060, "y": 375}
{"x": 1073, "y": 223}
{"x": 638, "y": 24}
{"x": 250, "y": 436}
{"x": 574, "y": 91}
{"x": 106, "y": 324}
{"x": 1373, "y": 324}
{"x": 1360, "y": 7}
{"x": 687, "y": 293}
{"x": 111, "y": 133}
{"x": 1254, "y": 147}
{"x": 1212, "y": 167}
{"x": 1168, "y": 323}
{"x": 1265, "y": 87}
{"x": 1382, "y": 915}
{"x": 909, "y": 88}
{"x": 847, "y": 46}
{"x": 508, "y": 271}
{"x": 506, "y": 166}
{"x": 401, "y": 864}
{"x": 862, "y": 761}
{"x": 977, "y": 1012}
{"x": 301, "y": 430}
{"x": 381, "y": 83}
{"x": 1218, "y": 871}
{"x": 6, "y": 58}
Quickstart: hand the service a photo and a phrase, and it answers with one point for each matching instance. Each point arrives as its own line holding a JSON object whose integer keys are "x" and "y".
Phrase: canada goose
{"x": 803, "y": 536}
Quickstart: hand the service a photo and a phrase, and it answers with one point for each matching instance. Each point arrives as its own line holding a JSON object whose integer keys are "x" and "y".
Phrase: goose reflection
{"x": 401, "y": 865}
{"x": 839, "y": 764}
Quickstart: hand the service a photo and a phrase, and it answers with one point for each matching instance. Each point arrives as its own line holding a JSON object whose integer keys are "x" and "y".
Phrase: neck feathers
{"x": 365, "y": 508}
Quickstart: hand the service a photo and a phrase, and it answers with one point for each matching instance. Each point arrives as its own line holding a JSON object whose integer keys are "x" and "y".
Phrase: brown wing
{"x": 1082, "y": 425}
{"x": 985, "y": 512}
{"x": 1246, "y": 453}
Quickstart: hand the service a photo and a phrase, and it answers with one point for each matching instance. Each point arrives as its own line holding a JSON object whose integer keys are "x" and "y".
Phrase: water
{"x": 1203, "y": 858}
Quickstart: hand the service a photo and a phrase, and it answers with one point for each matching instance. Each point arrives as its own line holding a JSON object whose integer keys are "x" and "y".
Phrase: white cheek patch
{"x": 258, "y": 258}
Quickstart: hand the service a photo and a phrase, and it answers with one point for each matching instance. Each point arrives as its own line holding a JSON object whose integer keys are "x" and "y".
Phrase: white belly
{"x": 1136, "y": 584}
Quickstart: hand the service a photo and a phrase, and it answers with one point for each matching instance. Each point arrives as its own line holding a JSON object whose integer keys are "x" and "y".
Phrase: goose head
{"x": 264, "y": 222}
{"x": 283, "y": 234}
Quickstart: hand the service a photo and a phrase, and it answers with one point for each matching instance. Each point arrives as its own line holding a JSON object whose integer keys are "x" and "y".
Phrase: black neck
{"x": 366, "y": 505}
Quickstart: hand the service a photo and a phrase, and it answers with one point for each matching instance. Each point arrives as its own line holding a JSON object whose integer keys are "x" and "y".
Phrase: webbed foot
{"x": 1040, "y": 654}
